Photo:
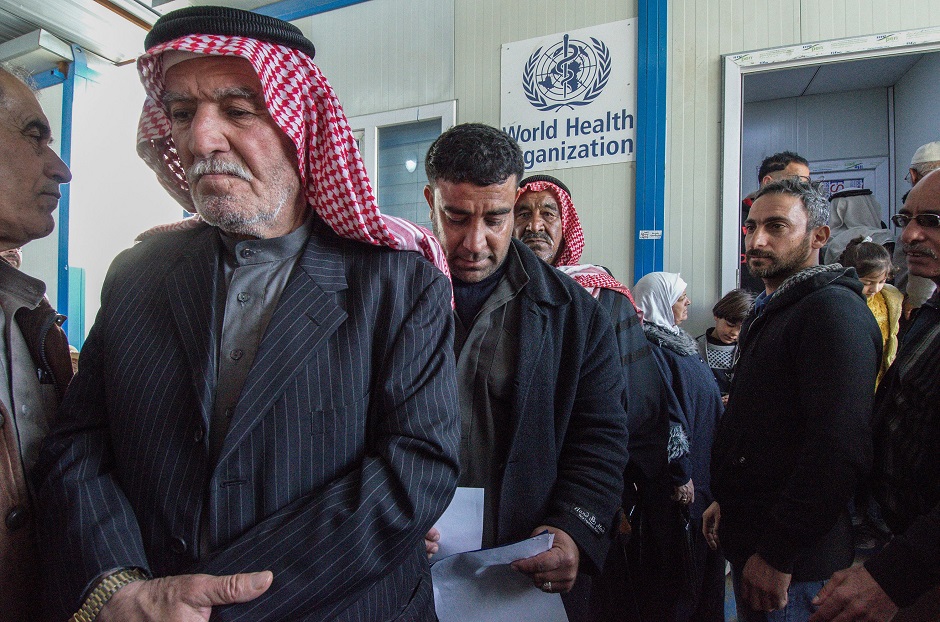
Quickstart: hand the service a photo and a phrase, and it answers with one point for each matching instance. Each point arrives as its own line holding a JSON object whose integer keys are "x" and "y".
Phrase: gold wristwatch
{"x": 104, "y": 591}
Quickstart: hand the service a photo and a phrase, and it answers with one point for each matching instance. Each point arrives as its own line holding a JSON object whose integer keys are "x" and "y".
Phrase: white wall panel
{"x": 700, "y": 32}
{"x": 818, "y": 127}
{"x": 386, "y": 54}
{"x": 603, "y": 195}
{"x": 916, "y": 114}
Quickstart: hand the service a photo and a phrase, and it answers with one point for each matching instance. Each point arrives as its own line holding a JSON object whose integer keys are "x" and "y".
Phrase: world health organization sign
{"x": 569, "y": 98}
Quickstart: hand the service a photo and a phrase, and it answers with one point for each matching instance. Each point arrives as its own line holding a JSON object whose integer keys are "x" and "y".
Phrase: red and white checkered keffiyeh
{"x": 303, "y": 104}
{"x": 592, "y": 278}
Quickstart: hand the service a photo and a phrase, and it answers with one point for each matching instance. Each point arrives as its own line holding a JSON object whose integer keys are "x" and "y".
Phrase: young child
{"x": 873, "y": 264}
{"x": 717, "y": 345}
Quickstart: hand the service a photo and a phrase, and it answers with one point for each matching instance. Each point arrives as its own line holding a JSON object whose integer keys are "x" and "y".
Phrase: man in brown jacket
{"x": 35, "y": 359}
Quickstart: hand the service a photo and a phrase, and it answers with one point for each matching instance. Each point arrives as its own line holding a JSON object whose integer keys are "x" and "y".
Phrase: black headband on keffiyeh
{"x": 302, "y": 104}
{"x": 592, "y": 278}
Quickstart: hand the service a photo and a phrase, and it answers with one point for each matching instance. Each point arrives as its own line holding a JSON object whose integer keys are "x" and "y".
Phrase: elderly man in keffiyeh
{"x": 547, "y": 222}
{"x": 265, "y": 423}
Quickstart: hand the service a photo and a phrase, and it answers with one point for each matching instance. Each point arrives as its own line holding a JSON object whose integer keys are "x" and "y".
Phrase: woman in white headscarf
{"x": 694, "y": 403}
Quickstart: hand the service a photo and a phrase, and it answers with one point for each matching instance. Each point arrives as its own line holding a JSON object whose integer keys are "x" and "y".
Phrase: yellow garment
{"x": 879, "y": 308}
{"x": 886, "y": 307}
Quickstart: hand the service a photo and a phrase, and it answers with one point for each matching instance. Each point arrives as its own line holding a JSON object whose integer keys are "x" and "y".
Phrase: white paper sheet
{"x": 461, "y": 525}
{"x": 480, "y": 586}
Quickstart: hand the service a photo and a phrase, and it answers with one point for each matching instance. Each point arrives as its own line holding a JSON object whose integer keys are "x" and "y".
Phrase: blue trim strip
{"x": 651, "y": 135}
{"x": 48, "y": 78}
{"x": 76, "y": 67}
{"x": 296, "y": 9}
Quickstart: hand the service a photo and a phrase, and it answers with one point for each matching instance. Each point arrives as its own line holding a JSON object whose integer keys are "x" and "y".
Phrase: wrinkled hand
{"x": 431, "y": 539}
{"x": 684, "y": 494}
{"x": 853, "y": 595}
{"x": 558, "y": 565}
{"x": 183, "y": 598}
{"x": 711, "y": 518}
{"x": 764, "y": 587}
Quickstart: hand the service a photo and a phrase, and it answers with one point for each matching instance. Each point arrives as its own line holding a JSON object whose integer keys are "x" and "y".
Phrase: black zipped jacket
{"x": 795, "y": 439}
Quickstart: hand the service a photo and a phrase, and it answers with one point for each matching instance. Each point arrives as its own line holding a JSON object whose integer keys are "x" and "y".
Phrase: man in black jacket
{"x": 638, "y": 566}
{"x": 543, "y": 430}
{"x": 907, "y": 473}
{"x": 795, "y": 438}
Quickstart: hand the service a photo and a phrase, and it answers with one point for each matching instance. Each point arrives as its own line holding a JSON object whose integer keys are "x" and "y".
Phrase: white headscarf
{"x": 655, "y": 294}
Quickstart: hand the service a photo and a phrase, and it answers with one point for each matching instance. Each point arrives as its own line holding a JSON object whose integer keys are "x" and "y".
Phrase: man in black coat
{"x": 265, "y": 421}
{"x": 907, "y": 442}
{"x": 795, "y": 438}
{"x": 638, "y": 565}
{"x": 543, "y": 428}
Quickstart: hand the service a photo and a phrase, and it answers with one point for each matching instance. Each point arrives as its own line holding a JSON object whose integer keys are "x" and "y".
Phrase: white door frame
{"x": 366, "y": 128}
{"x": 736, "y": 66}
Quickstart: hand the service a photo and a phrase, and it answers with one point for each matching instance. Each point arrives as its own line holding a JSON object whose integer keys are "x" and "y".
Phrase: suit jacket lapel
{"x": 191, "y": 288}
{"x": 305, "y": 317}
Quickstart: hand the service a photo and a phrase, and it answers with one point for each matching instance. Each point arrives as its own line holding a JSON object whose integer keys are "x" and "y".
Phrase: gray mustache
{"x": 919, "y": 249}
{"x": 529, "y": 235}
{"x": 216, "y": 167}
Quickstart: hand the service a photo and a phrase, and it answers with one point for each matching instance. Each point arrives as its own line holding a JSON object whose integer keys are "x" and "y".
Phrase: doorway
{"x": 855, "y": 108}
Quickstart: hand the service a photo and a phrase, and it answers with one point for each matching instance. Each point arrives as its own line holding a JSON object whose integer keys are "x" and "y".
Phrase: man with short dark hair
{"x": 906, "y": 476}
{"x": 547, "y": 222}
{"x": 35, "y": 359}
{"x": 543, "y": 428}
{"x": 264, "y": 424}
{"x": 783, "y": 165}
{"x": 794, "y": 440}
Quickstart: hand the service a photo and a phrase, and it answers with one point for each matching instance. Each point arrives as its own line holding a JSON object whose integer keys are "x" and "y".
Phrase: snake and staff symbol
{"x": 568, "y": 74}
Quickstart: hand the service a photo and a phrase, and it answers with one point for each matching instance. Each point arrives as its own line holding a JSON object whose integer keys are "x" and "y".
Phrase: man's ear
{"x": 820, "y": 236}
{"x": 429, "y": 197}
{"x": 766, "y": 180}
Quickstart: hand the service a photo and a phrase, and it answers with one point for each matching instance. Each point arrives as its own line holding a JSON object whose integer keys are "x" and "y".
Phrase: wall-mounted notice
{"x": 569, "y": 99}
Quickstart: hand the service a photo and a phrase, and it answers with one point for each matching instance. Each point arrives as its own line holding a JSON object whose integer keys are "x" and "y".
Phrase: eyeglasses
{"x": 928, "y": 221}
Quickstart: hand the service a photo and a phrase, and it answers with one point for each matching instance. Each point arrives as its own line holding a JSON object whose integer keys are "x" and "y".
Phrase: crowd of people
{"x": 280, "y": 394}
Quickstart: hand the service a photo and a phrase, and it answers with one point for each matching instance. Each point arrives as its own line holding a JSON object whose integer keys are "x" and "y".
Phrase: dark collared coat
{"x": 568, "y": 447}
{"x": 340, "y": 455}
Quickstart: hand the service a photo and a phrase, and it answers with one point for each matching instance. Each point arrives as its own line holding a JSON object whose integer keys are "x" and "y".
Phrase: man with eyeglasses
{"x": 916, "y": 289}
{"x": 906, "y": 476}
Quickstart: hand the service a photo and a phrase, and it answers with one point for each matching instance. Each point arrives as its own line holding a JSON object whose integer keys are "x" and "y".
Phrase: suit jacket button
{"x": 16, "y": 518}
{"x": 198, "y": 434}
{"x": 741, "y": 460}
{"x": 178, "y": 546}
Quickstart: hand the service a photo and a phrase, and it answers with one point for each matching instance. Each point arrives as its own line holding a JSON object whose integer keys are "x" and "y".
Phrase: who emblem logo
{"x": 570, "y": 73}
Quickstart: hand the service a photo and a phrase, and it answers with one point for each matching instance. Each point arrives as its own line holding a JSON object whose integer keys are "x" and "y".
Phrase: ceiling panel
{"x": 863, "y": 74}
{"x": 113, "y": 29}
{"x": 12, "y": 26}
{"x": 779, "y": 84}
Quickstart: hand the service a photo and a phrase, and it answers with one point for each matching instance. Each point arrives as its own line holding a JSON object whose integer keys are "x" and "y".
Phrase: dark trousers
{"x": 665, "y": 573}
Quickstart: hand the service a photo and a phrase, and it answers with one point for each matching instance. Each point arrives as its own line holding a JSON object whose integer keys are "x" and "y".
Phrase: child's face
{"x": 725, "y": 331}
{"x": 874, "y": 282}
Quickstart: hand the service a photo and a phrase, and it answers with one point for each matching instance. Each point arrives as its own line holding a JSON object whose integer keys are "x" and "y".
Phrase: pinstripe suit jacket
{"x": 341, "y": 453}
